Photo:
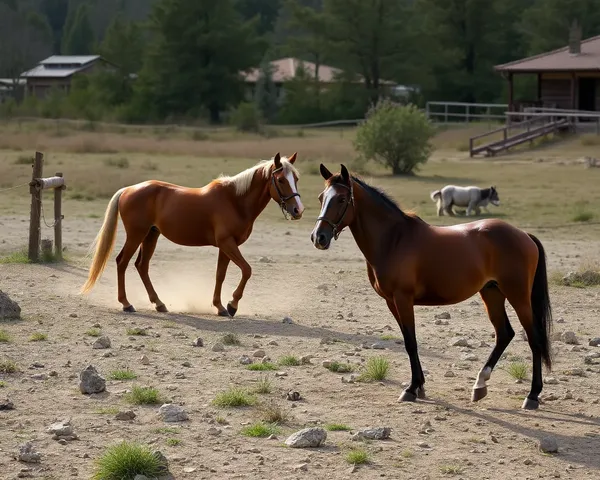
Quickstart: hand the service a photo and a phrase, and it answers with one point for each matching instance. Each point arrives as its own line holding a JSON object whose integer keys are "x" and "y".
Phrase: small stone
{"x": 218, "y": 347}
{"x": 459, "y": 342}
{"x": 27, "y": 454}
{"x": 6, "y": 404}
{"x": 493, "y": 438}
{"x": 287, "y": 320}
{"x": 551, "y": 381}
{"x": 272, "y": 437}
{"x": 144, "y": 360}
{"x": 214, "y": 431}
{"x": 306, "y": 359}
{"x": 293, "y": 396}
{"x": 125, "y": 415}
{"x": 73, "y": 315}
{"x": 374, "y": 433}
{"x": 302, "y": 467}
{"x": 569, "y": 338}
{"x": 527, "y": 461}
{"x": 273, "y": 343}
{"x": 172, "y": 413}
{"x": 9, "y": 309}
{"x": 449, "y": 374}
{"x": 90, "y": 381}
{"x": 61, "y": 429}
{"x": 575, "y": 372}
{"x": 594, "y": 342}
{"x": 568, "y": 396}
{"x": 470, "y": 357}
{"x": 326, "y": 363}
{"x": 140, "y": 477}
{"x": 259, "y": 354}
{"x": 378, "y": 346}
{"x": 281, "y": 374}
{"x": 245, "y": 360}
{"x": 265, "y": 260}
{"x": 39, "y": 376}
{"x": 307, "y": 438}
{"x": 439, "y": 321}
{"x": 423, "y": 445}
{"x": 101, "y": 343}
{"x": 442, "y": 316}
{"x": 198, "y": 342}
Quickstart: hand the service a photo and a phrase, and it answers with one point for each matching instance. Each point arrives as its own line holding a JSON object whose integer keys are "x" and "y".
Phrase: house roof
{"x": 9, "y": 82}
{"x": 558, "y": 60}
{"x": 60, "y": 66}
{"x": 285, "y": 69}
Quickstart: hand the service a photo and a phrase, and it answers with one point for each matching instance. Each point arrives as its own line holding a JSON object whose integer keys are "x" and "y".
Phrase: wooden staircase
{"x": 529, "y": 130}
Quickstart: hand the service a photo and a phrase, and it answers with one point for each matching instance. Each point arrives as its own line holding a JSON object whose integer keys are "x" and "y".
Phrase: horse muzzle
{"x": 320, "y": 240}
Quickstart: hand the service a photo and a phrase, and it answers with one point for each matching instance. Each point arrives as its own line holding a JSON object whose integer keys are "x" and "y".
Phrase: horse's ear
{"x": 345, "y": 174}
{"x": 326, "y": 174}
{"x": 292, "y": 158}
{"x": 277, "y": 160}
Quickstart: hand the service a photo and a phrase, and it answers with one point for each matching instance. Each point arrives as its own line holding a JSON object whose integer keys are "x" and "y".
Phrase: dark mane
{"x": 377, "y": 194}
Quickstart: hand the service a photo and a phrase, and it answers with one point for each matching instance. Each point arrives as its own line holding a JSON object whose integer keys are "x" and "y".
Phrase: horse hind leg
{"x": 132, "y": 242}
{"x": 494, "y": 301}
{"x": 142, "y": 264}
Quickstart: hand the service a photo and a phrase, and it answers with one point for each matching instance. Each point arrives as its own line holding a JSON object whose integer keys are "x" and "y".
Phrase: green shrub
{"x": 246, "y": 118}
{"x": 126, "y": 460}
{"x": 397, "y": 136}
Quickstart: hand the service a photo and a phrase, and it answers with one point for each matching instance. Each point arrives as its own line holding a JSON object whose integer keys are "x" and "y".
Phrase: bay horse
{"x": 410, "y": 262}
{"x": 221, "y": 213}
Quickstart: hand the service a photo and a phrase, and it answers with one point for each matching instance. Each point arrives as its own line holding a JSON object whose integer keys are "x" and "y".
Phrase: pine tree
{"x": 266, "y": 92}
{"x": 78, "y": 36}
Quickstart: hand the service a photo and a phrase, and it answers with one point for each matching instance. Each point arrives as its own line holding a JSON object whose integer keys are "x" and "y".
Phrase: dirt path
{"x": 327, "y": 295}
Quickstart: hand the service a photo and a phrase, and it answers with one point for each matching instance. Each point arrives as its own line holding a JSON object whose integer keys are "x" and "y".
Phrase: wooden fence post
{"x": 58, "y": 219}
{"x": 36, "y": 206}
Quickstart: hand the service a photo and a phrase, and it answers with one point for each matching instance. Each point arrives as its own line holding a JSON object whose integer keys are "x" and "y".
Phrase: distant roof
{"x": 60, "y": 66}
{"x": 10, "y": 82}
{"x": 285, "y": 69}
{"x": 559, "y": 60}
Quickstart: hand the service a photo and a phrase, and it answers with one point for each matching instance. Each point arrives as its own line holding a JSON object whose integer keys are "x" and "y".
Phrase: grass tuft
{"x": 93, "y": 332}
{"x": 357, "y": 456}
{"x": 260, "y": 430}
{"x": 264, "y": 385}
{"x": 451, "y": 469}
{"x": 122, "y": 374}
{"x": 173, "y": 442}
{"x": 15, "y": 257}
{"x": 234, "y": 397}
{"x": 126, "y": 460}
{"x": 172, "y": 430}
{"x": 137, "y": 331}
{"x": 38, "y": 337}
{"x": 262, "y": 367}
{"x": 337, "y": 427}
{"x": 107, "y": 410}
{"x": 376, "y": 369}
{"x": 4, "y": 337}
{"x": 583, "y": 216}
{"x": 517, "y": 370}
{"x": 143, "y": 396}
{"x": 230, "y": 339}
{"x": 8, "y": 366}
{"x": 339, "y": 367}
{"x": 273, "y": 413}
{"x": 289, "y": 361}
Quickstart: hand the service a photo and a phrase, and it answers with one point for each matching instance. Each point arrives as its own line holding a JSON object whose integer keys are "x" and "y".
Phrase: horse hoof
{"x": 161, "y": 308}
{"x": 530, "y": 404}
{"x": 421, "y": 393}
{"x": 478, "y": 394}
{"x": 407, "y": 397}
{"x": 231, "y": 309}
{"x": 223, "y": 313}
{"x": 129, "y": 309}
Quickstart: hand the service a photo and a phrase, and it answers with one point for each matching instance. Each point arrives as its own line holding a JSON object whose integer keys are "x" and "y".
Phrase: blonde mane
{"x": 243, "y": 180}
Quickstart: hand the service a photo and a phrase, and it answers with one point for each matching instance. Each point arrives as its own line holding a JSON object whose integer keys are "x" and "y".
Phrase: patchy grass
{"x": 122, "y": 374}
{"x": 169, "y": 430}
{"x": 357, "y": 456}
{"x": 221, "y": 420}
{"x": 20, "y": 256}
{"x": 234, "y": 397}
{"x": 587, "y": 275}
{"x": 93, "y": 332}
{"x": 264, "y": 385}
{"x": 4, "y": 337}
{"x": 273, "y": 413}
{"x": 173, "y": 442}
{"x": 230, "y": 339}
{"x": 118, "y": 162}
{"x": 407, "y": 453}
{"x": 8, "y": 366}
{"x": 289, "y": 361}
{"x": 389, "y": 337}
{"x": 376, "y": 369}
{"x": 260, "y": 430}
{"x": 107, "y": 410}
{"x": 261, "y": 367}
{"x": 517, "y": 370}
{"x": 451, "y": 469}
{"x": 583, "y": 216}
{"x": 339, "y": 367}
{"x": 38, "y": 337}
{"x": 125, "y": 460}
{"x": 337, "y": 427}
{"x": 137, "y": 331}
{"x": 143, "y": 396}
{"x": 589, "y": 140}
{"x": 2, "y": 384}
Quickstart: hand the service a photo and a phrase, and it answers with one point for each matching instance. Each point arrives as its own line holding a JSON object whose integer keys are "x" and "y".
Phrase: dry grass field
{"x": 336, "y": 316}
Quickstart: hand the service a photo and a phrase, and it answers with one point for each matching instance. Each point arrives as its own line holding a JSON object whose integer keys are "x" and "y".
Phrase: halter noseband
{"x": 335, "y": 226}
{"x": 282, "y": 199}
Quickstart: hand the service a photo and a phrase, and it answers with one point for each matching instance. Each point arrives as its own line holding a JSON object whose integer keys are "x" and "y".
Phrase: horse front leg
{"x": 222, "y": 264}
{"x": 230, "y": 248}
{"x": 403, "y": 310}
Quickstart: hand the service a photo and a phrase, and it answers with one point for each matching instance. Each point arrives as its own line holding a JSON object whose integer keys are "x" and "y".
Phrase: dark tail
{"x": 540, "y": 304}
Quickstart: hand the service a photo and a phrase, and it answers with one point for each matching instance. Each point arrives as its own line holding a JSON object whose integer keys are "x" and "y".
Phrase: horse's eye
{"x": 342, "y": 199}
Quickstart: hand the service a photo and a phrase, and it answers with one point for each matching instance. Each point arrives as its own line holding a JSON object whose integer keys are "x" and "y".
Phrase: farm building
{"x": 9, "y": 87}
{"x": 58, "y": 70}
{"x": 567, "y": 78}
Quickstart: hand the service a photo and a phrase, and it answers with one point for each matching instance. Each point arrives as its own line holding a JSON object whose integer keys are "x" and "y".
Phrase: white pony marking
{"x": 290, "y": 178}
{"x": 471, "y": 197}
{"x": 482, "y": 378}
{"x": 243, "y": 180}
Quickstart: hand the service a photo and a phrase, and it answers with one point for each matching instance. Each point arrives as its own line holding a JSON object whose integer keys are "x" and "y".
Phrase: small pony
{"x": 474, "y": 198}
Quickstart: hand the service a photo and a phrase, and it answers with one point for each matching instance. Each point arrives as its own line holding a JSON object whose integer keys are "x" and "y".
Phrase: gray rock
{"x": 470, "y": 357}
{"x": 162, "y": 459}
{"x": 140, "y": 477}
{"x": 374, "y": 433}
{"x": 172, "y": 413}
{"x": 287, "y": 320}
{"x": 90, "y": 381}
{"x": 575, "y": 372}
{"x": 273, "y": 343}
{"x": 61, "y": 429}
{"x": 101, "y": 342}
{"x": 449, "y": 374}
{"x": 39, "y": 376}
{"x": 302, "y": 467}
{"x": 551, "y": 381}
{"x": 306, "y": 359}
{"x": 442, "y": 316}
{"x": 378, "y": 346}
{"x": 569, "y": 338}
{"x": 144, "y": 360}
{"x": 9, "y": 309}
{"x": 259, "y": 354}
{"x": 548, "y": 445}
{"x": 459, "y": 342}
{"x": 439, "y": 321}
{"x": 27, "y": 454}
{"x": 594, "y": 342}
{"x": 6, "y": 404}
{"x": 307, "y": 438}
{"x": 125, "y": 415}
{"x": 245, "y": 360}
{"x": 198, "y": 342}
{"x": 218, "y": 347}
{"x": 214, "y": 431}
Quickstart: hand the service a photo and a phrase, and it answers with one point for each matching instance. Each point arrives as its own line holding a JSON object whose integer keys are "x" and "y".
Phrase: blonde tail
{"x": 104, "y": 242}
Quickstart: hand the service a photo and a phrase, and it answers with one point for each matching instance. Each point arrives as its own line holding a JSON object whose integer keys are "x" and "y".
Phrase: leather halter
{"x": 335, "y": 226}
{"x": 282, "y": 199}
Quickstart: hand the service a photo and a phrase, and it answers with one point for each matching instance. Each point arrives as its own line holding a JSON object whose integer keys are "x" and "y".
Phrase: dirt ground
{"x": 327, "y": 295}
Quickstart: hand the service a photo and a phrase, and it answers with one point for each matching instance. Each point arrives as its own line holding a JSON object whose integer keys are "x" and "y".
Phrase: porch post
{"x": 539, "y": 88}
{"x": 573, "y": 86}
{"x": 510, "y": 97}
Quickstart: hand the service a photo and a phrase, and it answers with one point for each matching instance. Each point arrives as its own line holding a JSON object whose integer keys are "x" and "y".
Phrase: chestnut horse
{"x": 410, "y": 262}
{"x": 220, "y": 214}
